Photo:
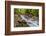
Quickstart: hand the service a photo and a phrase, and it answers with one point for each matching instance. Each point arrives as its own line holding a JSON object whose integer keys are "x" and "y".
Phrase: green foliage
{"x": 20, "y": 11}
{"x": 35, "y": 12}
{"x": 27, "y": 11}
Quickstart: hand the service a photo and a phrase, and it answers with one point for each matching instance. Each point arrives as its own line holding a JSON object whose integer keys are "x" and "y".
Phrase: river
{"x": 30, "y": 22}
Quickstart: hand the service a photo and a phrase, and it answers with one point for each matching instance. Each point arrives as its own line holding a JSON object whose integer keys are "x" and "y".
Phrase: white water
{"x": 29, "y": 21}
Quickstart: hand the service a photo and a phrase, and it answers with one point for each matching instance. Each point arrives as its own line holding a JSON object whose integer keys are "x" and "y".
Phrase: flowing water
{"x": 30, "y": 22}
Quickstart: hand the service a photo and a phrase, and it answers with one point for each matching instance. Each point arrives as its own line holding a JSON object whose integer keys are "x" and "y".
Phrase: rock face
{"x": 16, "y": 19}
{"x": 18, "y": 22}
